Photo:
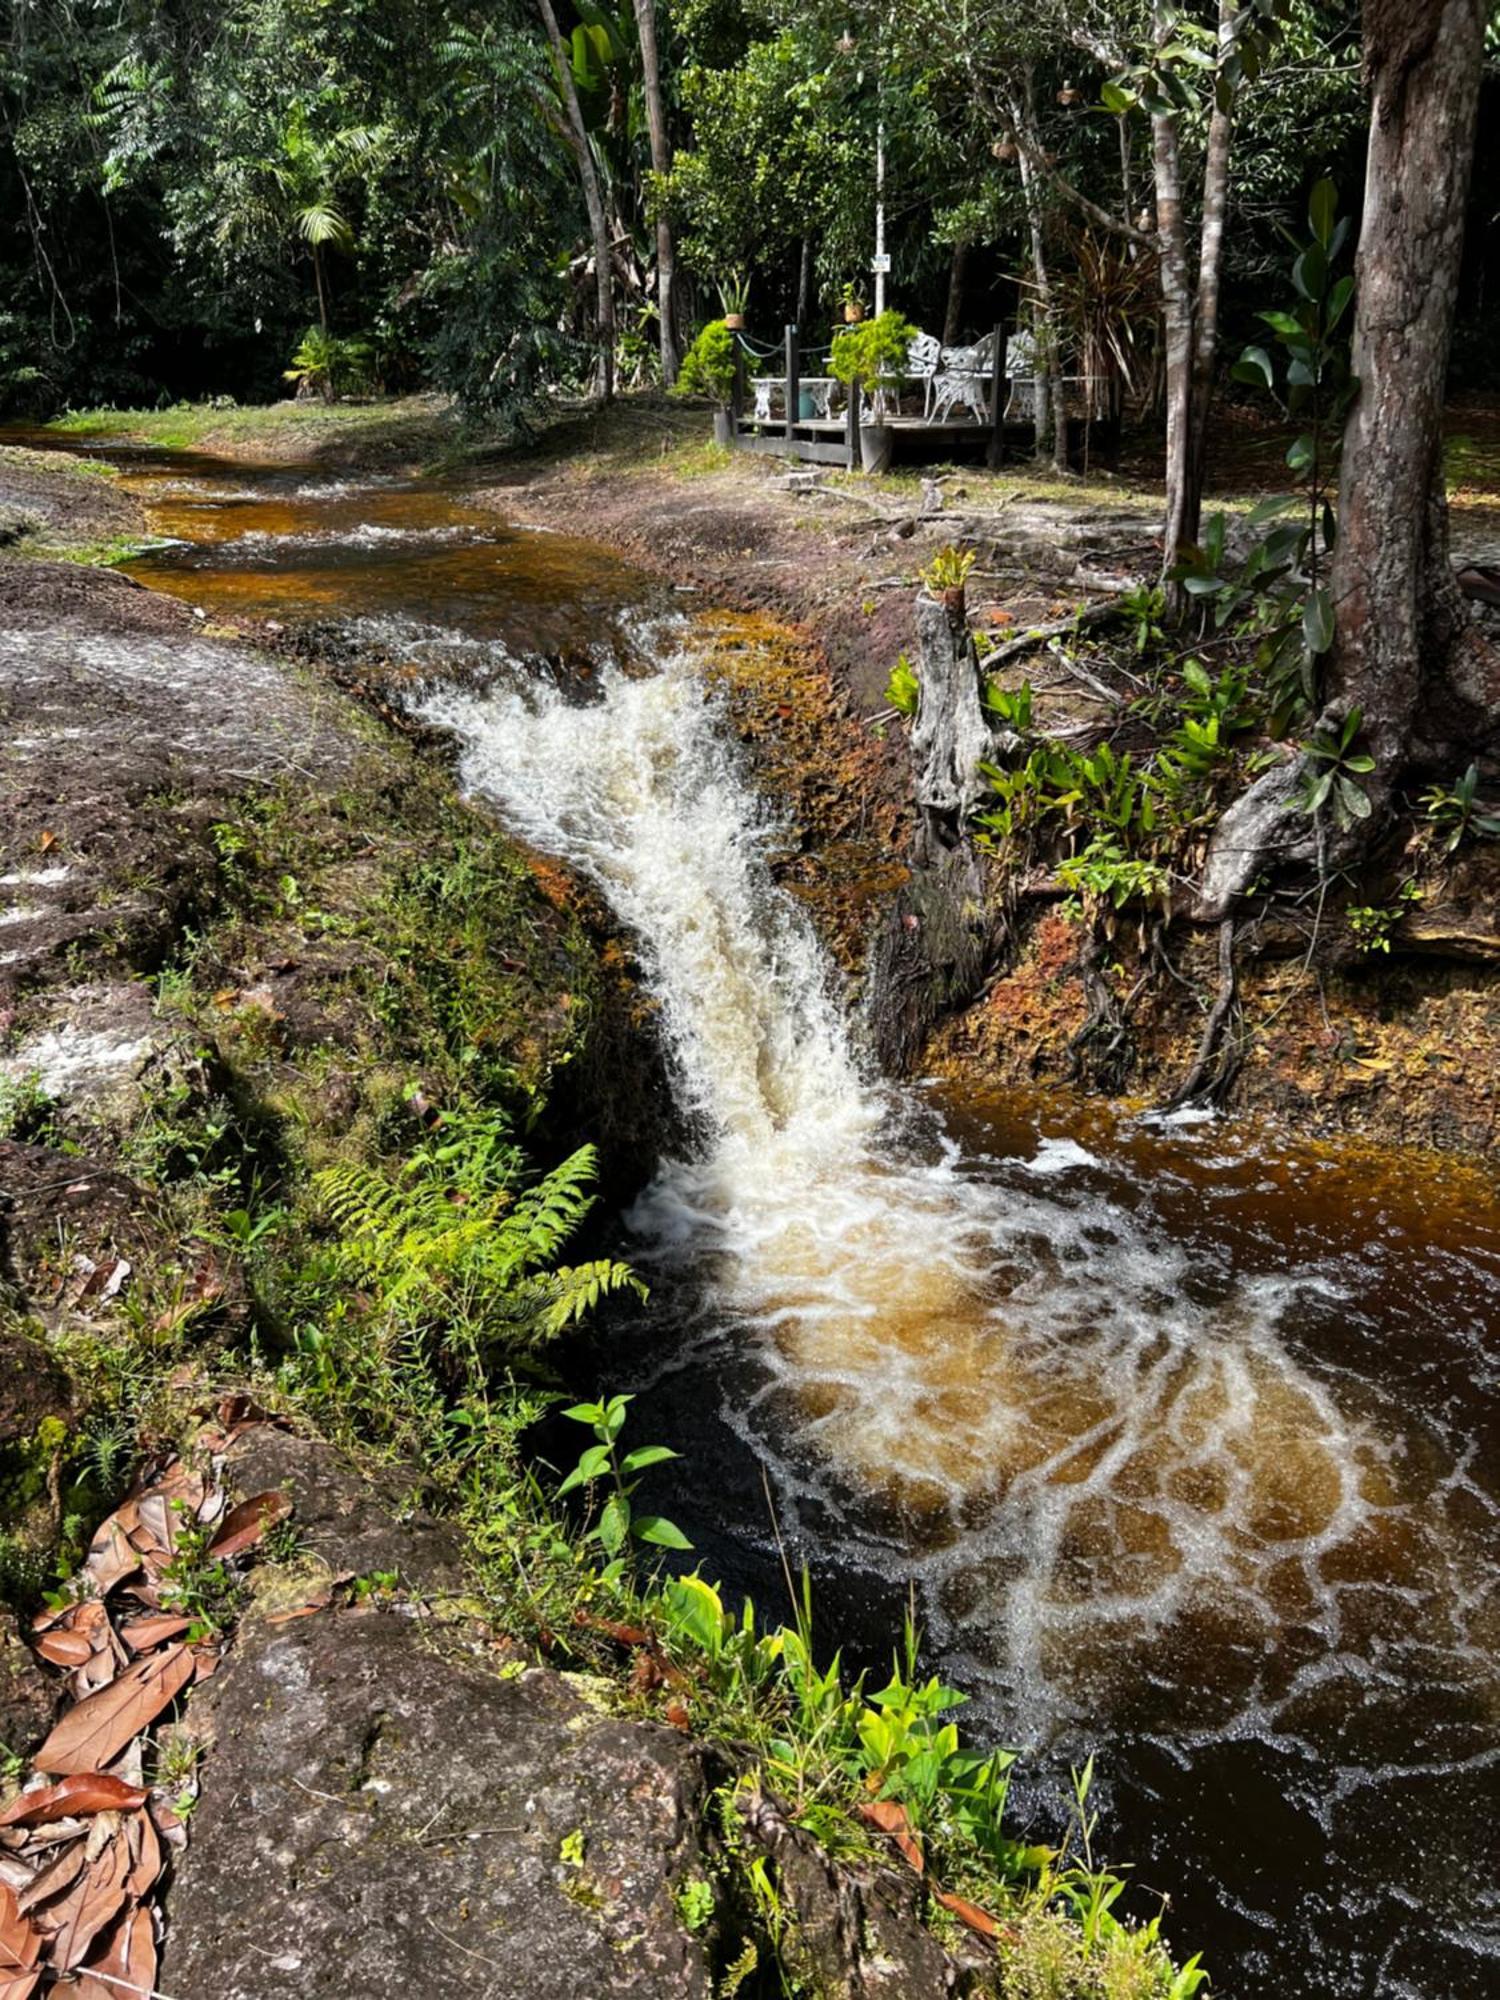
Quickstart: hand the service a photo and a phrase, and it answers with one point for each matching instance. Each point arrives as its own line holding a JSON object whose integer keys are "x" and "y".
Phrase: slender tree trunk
{"x": 317, "y": 257}
{"x": 588, "y": 174}
{"x": 1206, "y": 315}
{"x": 661, "y": 163}
{"x": 1051, "y": 416}
{"x": 1405, "y": 651}
{"x": 953, "y": 315}
{"x": 804, "y": 285}
{"x": 1127, "y": 178}
{"x": 1177, "y": 323}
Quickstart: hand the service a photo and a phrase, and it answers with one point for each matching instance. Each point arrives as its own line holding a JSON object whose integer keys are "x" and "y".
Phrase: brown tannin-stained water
{"x": 1185, "y": 1437}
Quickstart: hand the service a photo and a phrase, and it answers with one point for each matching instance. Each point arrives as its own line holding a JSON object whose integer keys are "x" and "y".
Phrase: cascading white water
{"x": 1092, "y": 1455}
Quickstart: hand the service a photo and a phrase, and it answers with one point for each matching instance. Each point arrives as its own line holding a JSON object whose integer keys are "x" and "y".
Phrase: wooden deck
{"x": 835, "y": 440}
{"x": 832, "y": 440}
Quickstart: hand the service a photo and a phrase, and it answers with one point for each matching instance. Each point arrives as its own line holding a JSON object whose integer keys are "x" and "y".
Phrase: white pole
{"x": 880, "y": 264}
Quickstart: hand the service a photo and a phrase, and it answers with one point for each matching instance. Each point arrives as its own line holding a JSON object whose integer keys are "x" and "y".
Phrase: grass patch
{"x": 407, "y": 428}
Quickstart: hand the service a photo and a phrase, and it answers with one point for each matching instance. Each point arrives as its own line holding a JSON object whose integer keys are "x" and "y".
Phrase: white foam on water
{"x": 1084, "y": 1455}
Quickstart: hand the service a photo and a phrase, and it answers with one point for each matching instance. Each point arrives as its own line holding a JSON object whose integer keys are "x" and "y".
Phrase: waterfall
{"x": 1087, "y": 1447}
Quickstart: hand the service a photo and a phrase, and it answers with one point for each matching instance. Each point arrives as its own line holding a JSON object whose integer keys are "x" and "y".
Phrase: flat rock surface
{"x": 385, "y": 1813}
{"x": 123, "y": 732}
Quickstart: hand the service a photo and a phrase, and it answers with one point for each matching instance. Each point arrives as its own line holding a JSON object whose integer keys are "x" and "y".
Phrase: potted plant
{"x": 853, "y": 297}
{"x": 708, "y": 370}
{"x": 868, "y": 358}
{"x": 734, "y": 296}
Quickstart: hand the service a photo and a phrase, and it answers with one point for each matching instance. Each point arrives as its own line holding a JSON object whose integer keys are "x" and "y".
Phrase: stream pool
{"x": 1183, "y": 1437}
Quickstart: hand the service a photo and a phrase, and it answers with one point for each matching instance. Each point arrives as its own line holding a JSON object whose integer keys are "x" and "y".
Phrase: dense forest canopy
{"x": 195, "y": 198}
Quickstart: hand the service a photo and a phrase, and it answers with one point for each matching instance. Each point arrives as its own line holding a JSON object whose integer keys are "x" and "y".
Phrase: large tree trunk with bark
{"x": 1405, "y": 651}
{"x": 661, "y": 164}
{"x": 588, "y": 174}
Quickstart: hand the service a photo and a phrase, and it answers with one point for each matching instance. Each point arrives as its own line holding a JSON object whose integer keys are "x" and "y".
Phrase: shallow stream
{"x": 1183, "y": 1436}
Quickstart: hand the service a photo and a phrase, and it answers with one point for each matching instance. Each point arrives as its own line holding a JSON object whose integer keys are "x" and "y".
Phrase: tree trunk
{"x": 1177, "y": 320}
{"x": 1206, "y": 316}
{"x": 661, "y": 164}
{"x": 1405, "y": 650}
{"x": 588, "y": 174}
{"x": 1051, "y": 419}
{"x": 953, "y": 316}
{"x": 317, "y": 257}
{"x": 804, "y": 286}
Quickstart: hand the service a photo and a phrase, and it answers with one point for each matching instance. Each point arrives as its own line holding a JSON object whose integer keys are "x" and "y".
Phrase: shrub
{"x": 873, "y": 354}
{"x": 708, "y": 366}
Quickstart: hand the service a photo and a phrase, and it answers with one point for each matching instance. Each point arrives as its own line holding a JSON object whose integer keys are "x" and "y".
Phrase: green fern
{"x": 451, "y": 1244}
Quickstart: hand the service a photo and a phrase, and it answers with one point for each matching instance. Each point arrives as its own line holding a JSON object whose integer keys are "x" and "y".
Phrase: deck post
{"x": 737, "y": 394}
{"x": 999, "y": 396}
{"x": 851, "y": 427}
{"x": 793, "y": 383}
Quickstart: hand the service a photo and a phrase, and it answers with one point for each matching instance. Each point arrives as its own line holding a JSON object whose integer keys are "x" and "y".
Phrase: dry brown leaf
{"x": 155, "y": 1533}
{"x": 141, "y": 1634}
{"x": 64, "y": 1648}
{"x": 59, "y": 1874}
{"x": 90, "y": 1792}
{"x": 128, "y": 1957}
{"x": 20, "y": 1947}
{"x": 145, "y": 1855}
{"x": 318, "y": 1603}
{"x": 970, "y": 1914}
{"x": 891, "y": 1818}
{"x": 93, "y": 1734}
{"x": 244, "y": 1525}
{"x": 20, "y": 1944}
{"x": 111, "y": 1558}
{"x": 95, "y": 1900}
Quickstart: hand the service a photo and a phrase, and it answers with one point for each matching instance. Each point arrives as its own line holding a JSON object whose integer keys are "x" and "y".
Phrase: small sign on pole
{"x": 881, "y": 263}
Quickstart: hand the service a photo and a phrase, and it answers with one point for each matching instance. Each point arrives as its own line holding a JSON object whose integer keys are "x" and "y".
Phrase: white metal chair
{"x": 962, "y": 380}
{"x": 1020, "y": 371}
{"x": 923, "y": 359}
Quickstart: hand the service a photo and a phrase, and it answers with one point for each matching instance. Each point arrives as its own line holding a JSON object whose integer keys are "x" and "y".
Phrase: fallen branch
{"x": 1086, "y": 619}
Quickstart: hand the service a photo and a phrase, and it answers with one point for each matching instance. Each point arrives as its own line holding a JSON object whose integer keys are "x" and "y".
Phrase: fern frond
{"x": 565, "y": 1295}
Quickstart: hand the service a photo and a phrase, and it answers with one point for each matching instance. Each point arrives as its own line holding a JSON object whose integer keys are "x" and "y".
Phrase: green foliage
{"x": 1012, "y": 707}
{"x": 196, "y": 1584}
{"x": 332, "y": 365}
{"x": 1279, "y": 595}
{"x": 1105, "y": 873}
{"x": 903, "y": 691}
{"x": 708, "y": 366}
{"x": 1372, "y": 924}
{"x": 600, "y": 1464}
{"x": 872, "y": 355}
{"x": 1335, "y": 768}
{"x": 948, "y": 568}
{"x": 1455, "y": 813}
{"x": 454, "y": 1247}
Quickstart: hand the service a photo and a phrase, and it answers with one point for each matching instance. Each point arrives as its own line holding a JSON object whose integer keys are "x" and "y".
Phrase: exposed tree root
{"x": 1102, "y": 1052}
{"x": 1217, "y": 1062}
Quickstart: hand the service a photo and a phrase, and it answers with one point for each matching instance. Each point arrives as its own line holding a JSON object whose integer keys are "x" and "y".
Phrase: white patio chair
{"x": 1020, "y": 370}
{"x": 963, "y": 380}
{"x": 923, "y": 359}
